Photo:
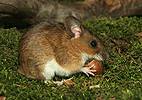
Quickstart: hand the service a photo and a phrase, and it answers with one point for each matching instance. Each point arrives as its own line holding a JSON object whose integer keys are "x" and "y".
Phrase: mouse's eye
{"x": 93, "y": 43}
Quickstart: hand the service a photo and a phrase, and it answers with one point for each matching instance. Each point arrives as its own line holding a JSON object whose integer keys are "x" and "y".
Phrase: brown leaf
{"x": 69, "y": 82}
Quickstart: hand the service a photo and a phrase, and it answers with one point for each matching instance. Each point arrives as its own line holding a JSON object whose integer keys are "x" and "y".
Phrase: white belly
{"x": 52, "y": 68}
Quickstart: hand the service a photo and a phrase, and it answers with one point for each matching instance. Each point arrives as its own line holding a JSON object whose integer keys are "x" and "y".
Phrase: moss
{"x": 122, "y": 79}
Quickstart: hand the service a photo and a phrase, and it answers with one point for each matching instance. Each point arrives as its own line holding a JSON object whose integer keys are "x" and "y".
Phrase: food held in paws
{"x": 96, "y": 65}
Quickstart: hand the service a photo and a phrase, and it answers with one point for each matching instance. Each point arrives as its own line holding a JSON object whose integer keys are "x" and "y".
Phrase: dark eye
{"x": 93, "y": 43}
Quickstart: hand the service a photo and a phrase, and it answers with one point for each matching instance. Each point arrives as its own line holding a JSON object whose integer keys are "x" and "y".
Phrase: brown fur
{"x": 48, "y": 42}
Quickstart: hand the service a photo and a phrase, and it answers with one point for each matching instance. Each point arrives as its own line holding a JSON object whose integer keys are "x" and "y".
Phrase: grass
{"x": 122, "y": 79}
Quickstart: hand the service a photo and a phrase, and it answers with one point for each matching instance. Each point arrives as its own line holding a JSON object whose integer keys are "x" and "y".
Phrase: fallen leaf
{"x": 69, "y": 82}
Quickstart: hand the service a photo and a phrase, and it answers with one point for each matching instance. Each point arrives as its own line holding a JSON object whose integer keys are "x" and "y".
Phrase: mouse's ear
{"x": 73, "y": 26}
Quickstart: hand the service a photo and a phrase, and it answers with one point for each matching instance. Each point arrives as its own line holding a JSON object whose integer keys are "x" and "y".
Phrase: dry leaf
{"x": 69, "y": 82}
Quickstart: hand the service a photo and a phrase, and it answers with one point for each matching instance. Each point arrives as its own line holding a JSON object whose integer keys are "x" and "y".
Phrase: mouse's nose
{"x": 93, "y": 43}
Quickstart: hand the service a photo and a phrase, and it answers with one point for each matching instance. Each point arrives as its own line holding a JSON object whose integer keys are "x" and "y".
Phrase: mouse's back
{"x": 37, "y": 46}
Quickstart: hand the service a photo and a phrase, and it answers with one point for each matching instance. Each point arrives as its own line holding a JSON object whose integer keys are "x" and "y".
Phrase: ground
{"x": 122, "y": 79}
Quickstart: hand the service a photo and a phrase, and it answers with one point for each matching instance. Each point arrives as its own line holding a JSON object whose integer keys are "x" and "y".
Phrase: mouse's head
{"x": 88, "y": 44}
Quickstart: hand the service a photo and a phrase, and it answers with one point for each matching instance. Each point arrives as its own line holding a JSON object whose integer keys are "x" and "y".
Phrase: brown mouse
{"x": 48, "y": 50}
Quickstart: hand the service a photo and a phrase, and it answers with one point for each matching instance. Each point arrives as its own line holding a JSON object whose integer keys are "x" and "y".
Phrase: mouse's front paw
{"x": 88, "y": 70}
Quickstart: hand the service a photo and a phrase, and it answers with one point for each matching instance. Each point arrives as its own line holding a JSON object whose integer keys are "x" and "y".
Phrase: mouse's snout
{"x": 93, "y": 43}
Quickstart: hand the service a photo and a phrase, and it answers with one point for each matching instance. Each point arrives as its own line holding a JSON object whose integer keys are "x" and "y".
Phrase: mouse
{"x": 47, "y": 50}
